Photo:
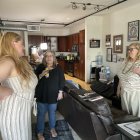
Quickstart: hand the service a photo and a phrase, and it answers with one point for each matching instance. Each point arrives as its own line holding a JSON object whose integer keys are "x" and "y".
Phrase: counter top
{"x": 69, "y": 61}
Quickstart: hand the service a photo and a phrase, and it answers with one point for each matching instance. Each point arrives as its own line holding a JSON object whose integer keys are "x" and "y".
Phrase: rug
{"x": 62, "y": 128}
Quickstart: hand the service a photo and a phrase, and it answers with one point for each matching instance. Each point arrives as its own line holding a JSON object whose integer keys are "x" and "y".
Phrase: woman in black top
{"x": 48, "y": 92}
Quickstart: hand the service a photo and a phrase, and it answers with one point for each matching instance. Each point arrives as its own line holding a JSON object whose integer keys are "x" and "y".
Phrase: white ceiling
{"x": 53, "y": 11}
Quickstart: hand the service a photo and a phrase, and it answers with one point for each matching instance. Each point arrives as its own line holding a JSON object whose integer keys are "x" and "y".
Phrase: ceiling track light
{"x": 97, "y": 8}
{"x": 84, "y": 6}
{"x": 74, "y": 6}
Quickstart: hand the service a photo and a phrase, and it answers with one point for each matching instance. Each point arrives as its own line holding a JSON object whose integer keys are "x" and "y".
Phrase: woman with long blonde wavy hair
{"x": 129, "y": 81}
{"x": 17, "y": 86}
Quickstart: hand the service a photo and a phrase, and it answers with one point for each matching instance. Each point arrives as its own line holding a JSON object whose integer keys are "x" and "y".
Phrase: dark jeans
{"x": 42, "y": 109}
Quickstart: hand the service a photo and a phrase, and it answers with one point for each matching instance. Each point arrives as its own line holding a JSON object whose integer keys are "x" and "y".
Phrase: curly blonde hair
{"x": 7, "y": 51}
{"x": 137, "y": 46}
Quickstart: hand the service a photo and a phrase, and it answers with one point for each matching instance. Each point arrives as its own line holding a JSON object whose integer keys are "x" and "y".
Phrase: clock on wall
{"x": 133, "y": 30}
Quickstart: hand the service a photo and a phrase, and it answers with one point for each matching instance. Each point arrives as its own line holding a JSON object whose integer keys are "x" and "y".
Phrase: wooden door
{"x": 82, "y": 61}
{"x": 82, "y": 36}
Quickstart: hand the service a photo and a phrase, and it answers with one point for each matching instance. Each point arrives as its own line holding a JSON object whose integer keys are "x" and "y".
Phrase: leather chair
{"x": 91, "y": 120}
{"x": 108, "y": 91}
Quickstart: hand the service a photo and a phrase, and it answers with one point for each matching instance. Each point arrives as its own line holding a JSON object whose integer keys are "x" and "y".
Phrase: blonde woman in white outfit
{"x": 16, "y": 90}
{"x": 130, "y": 81}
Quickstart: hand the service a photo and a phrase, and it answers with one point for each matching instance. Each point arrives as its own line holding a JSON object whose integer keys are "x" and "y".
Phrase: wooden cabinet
{"x": 62, "y": 43}
{"x": 76, "y": 69}
{"x": 82, "y": 36}
{"x": 34, "y": 40}
{"x": 79, "y": 66}
{"x": 75, "y": 38}
{"x": 69, "y": 43}
{"x": 62, "y": 64}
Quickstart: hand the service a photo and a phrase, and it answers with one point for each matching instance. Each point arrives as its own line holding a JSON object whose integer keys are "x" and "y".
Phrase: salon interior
{"x": 90, "y": 39}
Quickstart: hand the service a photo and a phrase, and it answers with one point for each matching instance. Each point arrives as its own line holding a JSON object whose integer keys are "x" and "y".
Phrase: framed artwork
{"x": 118, "y": 44}
{"x": 114, "y": 58}
{"x": 127, "y": 47}
{"x": 94, "y": 43}
{"x": 109, "y": 54}
{"x": 108, "y": 41}
{"x": 133, "y": 30}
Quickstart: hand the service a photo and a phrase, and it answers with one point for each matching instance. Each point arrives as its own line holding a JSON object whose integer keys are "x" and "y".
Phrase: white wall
{"x": 76, "y": 27}
{"x": 115, "y": 24}
{"x": 93, "y": 30}
{"x": 97, "y": 27}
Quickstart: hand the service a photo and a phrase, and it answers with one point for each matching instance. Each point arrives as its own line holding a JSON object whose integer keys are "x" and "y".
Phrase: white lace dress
{"x": 15, "y": 110}
{"x": 130, "y": 88}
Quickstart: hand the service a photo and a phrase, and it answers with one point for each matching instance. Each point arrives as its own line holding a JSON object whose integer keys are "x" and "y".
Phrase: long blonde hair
{"x": 7, "y": 51}
{"x": 137, "y": 46}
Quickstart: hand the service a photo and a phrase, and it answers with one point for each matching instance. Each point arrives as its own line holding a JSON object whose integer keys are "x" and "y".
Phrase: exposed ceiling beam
{"x": 33, "y": 22}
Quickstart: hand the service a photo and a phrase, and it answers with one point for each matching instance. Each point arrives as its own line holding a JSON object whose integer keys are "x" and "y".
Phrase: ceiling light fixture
{"x": 97, "y": 7}
{"x": 84, "y": 7}
{"x": 74, "y": 6}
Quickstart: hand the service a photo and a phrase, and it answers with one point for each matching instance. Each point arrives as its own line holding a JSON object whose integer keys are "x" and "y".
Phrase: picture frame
{"x": 94, "y": 43}
{"x": 133, "y": 30}
{"x": 118, "y": 44}
{"x": 108, "y": 40}
{"x": 109, "y": 54}
{"x": 127, "y": 47}
{"x": 114, "y": 58}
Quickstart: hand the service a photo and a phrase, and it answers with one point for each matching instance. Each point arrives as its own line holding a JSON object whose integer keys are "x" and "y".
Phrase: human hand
{"x": 5, "y": 92}
{"x": 60, "y": 95}
{"x": 136, "y": 70}
{"x": 43, "y": 73}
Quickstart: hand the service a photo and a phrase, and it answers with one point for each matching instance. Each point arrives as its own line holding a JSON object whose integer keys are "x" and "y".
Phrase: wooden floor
{"x": 78, "y": 81}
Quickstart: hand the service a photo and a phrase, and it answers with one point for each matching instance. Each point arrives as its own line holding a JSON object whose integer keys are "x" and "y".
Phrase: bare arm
{"x": 6, "y": 69}
{"x": 137, "y": 70}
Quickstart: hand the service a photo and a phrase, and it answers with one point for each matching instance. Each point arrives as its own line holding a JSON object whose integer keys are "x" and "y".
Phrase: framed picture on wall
{"x": 127, "y": 47}
{"x": 118, "y": 44}
{"x": 108, "y": 41}
{"x": 94, "y": 43}
{"x": 114, "y": 58}
{"x": 133, "y": 30}
{"x": 109, "y": 54}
